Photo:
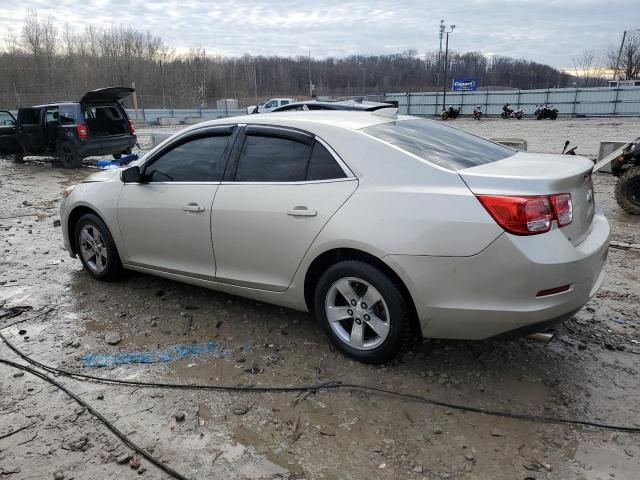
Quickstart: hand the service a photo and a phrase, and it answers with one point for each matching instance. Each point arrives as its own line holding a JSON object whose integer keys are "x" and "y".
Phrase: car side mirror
{"x": 131, "y": 175}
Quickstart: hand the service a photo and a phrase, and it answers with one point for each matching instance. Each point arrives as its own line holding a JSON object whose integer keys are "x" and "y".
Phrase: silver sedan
{"x": 386, "y": 227}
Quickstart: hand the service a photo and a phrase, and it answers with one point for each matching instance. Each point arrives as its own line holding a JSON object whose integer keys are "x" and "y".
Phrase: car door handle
{"x": 302, "y": 212}
{"x": 193, "y": 207}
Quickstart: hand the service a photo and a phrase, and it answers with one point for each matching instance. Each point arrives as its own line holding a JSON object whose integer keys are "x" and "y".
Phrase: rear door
{"x": 166, "y": 221}
{"x": 31, "y": 134}
{"x": 281, "y": 188}
{"x": 8, "y": 139}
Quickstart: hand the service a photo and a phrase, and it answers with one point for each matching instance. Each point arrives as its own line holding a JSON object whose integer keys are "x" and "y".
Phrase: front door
{"x": 8, "y": 138}
{"x": 31, "y": 134}
{"x": 165, "y": 221}
{"x": 283, "y": 189}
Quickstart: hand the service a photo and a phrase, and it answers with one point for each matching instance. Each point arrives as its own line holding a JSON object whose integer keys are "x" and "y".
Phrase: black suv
{"x": 96, "y": 125}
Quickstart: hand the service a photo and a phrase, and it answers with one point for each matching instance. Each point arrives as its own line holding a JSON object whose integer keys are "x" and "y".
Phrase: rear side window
{"x": 272, "y": 159}
{"x": 30, "y": 116}
{"x": 322, "y": 165}
{"x": 444, "y": 146}
{"x": 198, "y": 160}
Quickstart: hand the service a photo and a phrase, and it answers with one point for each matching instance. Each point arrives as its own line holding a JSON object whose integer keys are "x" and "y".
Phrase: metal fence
{"x": 601, "y": 101}
{"x": 151, "y": 115}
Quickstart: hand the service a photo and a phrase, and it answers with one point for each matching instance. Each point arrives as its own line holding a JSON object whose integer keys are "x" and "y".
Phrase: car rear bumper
{"x": 495, "y": 291}
{"x": 106, "y": 145}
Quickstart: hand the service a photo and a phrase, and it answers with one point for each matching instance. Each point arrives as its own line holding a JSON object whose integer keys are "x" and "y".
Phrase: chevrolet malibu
{"x": 386, "y": 227}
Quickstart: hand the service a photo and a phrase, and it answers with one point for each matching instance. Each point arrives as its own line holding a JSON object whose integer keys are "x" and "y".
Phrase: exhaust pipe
{"x": 542, "y": 337}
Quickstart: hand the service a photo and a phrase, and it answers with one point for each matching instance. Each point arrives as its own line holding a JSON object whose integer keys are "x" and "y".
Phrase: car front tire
{"x": 96, "y": 248}
{"x": 363, "y": 312}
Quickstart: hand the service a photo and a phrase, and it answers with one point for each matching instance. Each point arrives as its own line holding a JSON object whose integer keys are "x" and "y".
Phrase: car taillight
{"x": 528, "y": 215}
{"x": 132, "y": 126}
{"x": 83, "y": 133}
{"x": 563, "y": 208}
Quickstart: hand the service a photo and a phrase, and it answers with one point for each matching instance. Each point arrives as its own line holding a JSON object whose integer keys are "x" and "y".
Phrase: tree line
{"x": 45, "y": 62}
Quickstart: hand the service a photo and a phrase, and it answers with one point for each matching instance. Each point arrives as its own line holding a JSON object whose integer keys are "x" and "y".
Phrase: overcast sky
{"x": 547, "y": 31}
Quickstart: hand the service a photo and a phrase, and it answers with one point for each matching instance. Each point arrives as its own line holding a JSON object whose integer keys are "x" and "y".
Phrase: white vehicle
{"x": 270, "y": 105}
{"x": 385, "y": 227}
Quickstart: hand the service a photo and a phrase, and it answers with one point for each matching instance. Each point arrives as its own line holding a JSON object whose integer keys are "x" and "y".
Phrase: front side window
{"x": 201, "y": 159}
{"x": 271, "y": 104}
{"x": 272, "y": 159}
{"x": 6, "y": 119}
{"x": 444, "y": 146}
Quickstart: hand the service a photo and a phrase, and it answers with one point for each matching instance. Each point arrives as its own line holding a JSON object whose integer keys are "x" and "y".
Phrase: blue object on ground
{"x": 169, "y": 354}
{"x": 122, "y": 161}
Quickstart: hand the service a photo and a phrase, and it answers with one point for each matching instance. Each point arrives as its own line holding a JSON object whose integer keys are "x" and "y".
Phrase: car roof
{"x": 347, "y": 119}
{"x": 55, "y": 104}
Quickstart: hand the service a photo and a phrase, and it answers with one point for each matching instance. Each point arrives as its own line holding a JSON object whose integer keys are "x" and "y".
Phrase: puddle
{"x": 608, "y": 461}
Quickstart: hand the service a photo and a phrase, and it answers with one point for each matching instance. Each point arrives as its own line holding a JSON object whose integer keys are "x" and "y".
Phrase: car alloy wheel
{"x": 357, "y": 313}
{"x": 93, "y": 248}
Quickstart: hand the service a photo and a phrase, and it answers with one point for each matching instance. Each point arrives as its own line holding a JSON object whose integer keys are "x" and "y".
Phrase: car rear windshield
{"x": 445, "y": 146}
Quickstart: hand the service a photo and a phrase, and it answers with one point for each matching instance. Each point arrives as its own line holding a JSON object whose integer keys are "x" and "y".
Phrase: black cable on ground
{"x": 334, "y": 385}
{"x": 123, "y": 438}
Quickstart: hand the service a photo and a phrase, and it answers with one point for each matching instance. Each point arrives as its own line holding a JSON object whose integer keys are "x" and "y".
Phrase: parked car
{"x": 96, "y": 125}
{"x": 384, "y": 226}
{"x": 269, "y": 105}
{"x": 307, "y": 105}
{"x": 8, "y": 139}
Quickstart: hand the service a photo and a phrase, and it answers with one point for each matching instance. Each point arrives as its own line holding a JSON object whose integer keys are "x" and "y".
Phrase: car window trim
{"x": 217, "y": 131}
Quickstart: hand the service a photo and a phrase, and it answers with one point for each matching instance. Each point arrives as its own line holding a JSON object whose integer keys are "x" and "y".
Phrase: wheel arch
{"x": 330, "y": 257}
{"x": 72, "y": 220}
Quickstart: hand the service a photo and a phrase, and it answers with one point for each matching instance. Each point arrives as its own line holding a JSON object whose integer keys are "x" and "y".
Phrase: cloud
{"x": 547, "y": 31}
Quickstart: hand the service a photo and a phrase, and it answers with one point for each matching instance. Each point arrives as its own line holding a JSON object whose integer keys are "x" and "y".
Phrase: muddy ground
{"x": 589, "y": 372}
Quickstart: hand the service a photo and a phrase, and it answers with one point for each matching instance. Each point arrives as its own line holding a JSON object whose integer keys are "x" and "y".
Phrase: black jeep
{"x": 96, "y": 125}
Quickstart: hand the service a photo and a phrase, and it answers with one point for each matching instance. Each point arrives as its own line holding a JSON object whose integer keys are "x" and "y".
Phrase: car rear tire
{"x": 96, "y": 248}
{"x": 18, "y": 157}
{"x": 69, "y": 156}
{"x": 628, "y": 191}
{"x": 373, "y": 332}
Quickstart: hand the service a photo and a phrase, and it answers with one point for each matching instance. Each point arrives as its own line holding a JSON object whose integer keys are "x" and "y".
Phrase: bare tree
{"x": 588, "y": 68}
{"x": 628, "y": 68}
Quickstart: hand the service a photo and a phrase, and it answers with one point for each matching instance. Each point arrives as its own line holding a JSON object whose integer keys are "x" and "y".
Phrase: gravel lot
{"x": 589, "y": 372}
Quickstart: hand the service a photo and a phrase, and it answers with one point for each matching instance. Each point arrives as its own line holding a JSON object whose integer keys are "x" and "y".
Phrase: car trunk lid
{"x": 527, "y": 174}
{"x": 105, "y": 95}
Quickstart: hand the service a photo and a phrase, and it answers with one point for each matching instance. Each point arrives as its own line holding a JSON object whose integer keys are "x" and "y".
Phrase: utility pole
{"x": 311, "y": 85}
{"x": 615, "y": 72}
{"x": 255, "y": 82}
{"x": 446, "y": 65}
{"x": 442, "y": 27}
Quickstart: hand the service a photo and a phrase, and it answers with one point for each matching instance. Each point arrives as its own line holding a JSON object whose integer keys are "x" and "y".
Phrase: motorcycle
{"x": 451, "y": 113}
{"x": 477, "y": 112}
{"x": 546, "y": 111}
{"x": 509, "y": 112}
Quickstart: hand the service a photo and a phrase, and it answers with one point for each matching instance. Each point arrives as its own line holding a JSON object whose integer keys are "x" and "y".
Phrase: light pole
{"x": 441, "y": 29}
{"x": 446, "y": 64}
